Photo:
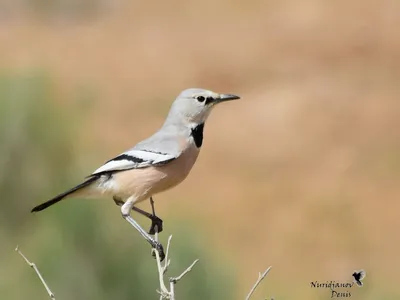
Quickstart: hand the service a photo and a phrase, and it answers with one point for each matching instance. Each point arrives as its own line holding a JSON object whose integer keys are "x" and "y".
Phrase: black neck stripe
{"x": 197, "y": 134}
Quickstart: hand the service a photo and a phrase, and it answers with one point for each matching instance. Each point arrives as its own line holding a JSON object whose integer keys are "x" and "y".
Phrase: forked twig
{"x": 175, "y": 280}
{"x": 260, "y": 278}
{"x": 33, "y": 266}
{"x": 167, "y": 260}
{"x": 162, "y": 269}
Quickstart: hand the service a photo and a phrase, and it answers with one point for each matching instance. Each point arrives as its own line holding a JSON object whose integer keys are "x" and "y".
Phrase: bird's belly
{"x": 142, "y": 183}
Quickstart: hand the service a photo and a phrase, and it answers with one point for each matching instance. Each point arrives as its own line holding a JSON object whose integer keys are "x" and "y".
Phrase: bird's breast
{"x": 142, "y": 183}
{"x": 176, "y": 171}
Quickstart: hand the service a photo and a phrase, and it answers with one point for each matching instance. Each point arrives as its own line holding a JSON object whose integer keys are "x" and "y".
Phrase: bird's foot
{"x": 160, "y": 249}
{"x": 156, "y": 225}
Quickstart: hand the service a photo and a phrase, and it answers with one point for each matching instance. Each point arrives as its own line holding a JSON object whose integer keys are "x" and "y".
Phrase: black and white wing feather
{"x": 159, "y": 149}
{"x": 134, "y": 159}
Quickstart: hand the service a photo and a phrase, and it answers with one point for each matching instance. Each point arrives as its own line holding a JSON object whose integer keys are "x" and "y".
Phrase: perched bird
{"x": 154, "y": 165}
{"x": 358, "y": 276}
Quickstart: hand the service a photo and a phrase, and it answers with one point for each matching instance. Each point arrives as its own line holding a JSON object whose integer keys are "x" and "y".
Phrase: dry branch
{"x": 162, "y": 270}
{"x": 33, "y": 266}
{"x": 260, "y": 278}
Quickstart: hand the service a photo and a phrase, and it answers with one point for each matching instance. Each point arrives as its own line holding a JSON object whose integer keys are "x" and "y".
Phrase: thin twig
{"x": 171, "y": 290}
{"x": 260, "y": 278}
{"x": 163, "y": 288}
{"x": 33, "y": 266}
{"x": 167, "y": 260}
{"x": 162, "y": 269}
{"x": 176, "y": 279}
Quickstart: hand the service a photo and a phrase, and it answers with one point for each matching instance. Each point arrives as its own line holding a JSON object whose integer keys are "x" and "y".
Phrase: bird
{"x": 153, "y": 165}
{"x": 358, "y": 276}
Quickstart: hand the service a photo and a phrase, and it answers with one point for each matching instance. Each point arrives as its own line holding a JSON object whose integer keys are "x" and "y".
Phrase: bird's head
{"x": 195, "y": 105}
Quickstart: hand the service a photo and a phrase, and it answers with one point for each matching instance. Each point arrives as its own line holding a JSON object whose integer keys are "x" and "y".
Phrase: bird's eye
{"x": 201, "y": 98}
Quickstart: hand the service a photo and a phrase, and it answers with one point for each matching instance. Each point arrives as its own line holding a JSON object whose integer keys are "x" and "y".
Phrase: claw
{"x": 156, "y": 225}
{"x": 158, "y": 247}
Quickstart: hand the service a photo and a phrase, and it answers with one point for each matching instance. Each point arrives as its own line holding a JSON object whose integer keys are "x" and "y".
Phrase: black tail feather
{"x": 59, "y": 197}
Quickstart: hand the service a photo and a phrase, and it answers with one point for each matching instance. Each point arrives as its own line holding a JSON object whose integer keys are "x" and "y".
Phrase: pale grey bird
{"x": 154, "y": 165}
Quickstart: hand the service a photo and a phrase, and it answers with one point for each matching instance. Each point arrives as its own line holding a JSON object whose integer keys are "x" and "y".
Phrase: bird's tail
{"x": 61, "y": 196}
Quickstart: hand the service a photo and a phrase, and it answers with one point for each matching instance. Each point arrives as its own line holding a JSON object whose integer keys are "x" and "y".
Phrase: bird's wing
{"x": 362, "y": 274}
{"x": 157, "y": 150}
{"x": 134, "y": 159}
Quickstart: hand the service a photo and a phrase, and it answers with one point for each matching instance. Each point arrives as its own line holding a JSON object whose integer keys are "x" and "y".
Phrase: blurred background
{"x": 301, "y": 174}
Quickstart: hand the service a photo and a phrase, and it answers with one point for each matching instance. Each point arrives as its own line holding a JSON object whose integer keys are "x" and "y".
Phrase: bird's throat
{"x": 197, "y": 134}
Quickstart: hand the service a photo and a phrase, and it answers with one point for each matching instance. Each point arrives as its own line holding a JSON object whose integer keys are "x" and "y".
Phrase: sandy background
{"x": 301, "y": 174}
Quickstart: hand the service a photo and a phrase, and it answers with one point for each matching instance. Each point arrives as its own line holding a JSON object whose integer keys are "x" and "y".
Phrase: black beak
{"x": 227, "y": 97}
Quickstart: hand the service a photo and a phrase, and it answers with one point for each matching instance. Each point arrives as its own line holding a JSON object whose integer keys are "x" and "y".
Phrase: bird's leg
{"x": 125, "y": 211}
{"x": 118, "y": 201}
{"x": 152, "y": 205}
{"x": 156, "y": 222}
